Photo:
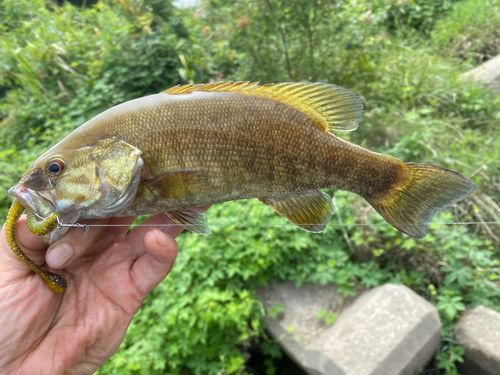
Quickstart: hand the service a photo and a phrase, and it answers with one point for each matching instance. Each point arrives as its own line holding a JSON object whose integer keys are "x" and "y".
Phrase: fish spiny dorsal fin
{"x": 334, "y": 107}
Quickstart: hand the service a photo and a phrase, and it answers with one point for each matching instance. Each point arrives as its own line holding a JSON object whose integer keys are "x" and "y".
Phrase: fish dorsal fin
{"x": 332, "y": 106}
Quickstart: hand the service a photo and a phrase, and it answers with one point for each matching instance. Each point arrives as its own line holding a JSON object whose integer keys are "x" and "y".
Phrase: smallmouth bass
{"x": 202, "y": 144}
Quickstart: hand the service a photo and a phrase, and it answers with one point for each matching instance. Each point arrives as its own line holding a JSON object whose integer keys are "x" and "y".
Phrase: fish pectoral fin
{"x": 192, "y": 219}
{"x": 179, "y": 184}
{"x": 310, "y": 210}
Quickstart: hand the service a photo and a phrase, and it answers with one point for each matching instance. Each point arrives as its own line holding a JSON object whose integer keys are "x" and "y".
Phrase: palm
{"x": 79, "y": 330}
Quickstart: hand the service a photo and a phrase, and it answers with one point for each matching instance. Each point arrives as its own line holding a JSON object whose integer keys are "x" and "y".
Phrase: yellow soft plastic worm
{"x": 55, "y": 282}
{"x": 41, "y": 228}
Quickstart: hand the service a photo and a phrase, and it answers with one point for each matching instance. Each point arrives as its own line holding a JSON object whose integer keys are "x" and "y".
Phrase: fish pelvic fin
{"x": 411, "y": 205}
{"x": 310, "y": 210}
{"x": 192, "y": 219}
{"x": 332, "y": 107}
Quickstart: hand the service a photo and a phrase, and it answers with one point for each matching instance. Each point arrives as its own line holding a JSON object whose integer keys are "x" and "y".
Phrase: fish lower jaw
{"x": 32, "y": 199}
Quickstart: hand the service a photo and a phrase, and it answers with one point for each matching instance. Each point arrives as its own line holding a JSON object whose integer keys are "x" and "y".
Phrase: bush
{"x": 59, "y": 66}
{"x": 471, "y": 31}
{"x": 211, "y": 315}
{"x": 420, "y": 15}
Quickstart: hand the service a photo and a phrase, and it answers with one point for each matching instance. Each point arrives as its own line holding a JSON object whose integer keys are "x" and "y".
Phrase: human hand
{"x": 109, "y": 274}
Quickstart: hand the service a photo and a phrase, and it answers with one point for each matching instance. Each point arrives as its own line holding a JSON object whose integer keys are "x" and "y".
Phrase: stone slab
{"x": 488, "y": 73}
{"x": 301, "y": 306}
{"x": 389, "y": 330}
{"x": 478, "y": 331}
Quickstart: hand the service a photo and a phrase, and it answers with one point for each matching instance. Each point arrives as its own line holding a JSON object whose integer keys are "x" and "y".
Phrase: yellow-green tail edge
{"x": 411, "y": 206}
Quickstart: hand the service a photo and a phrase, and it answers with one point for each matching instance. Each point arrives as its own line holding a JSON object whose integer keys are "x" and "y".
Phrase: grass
{"x": 201, "y": 318}
{"x": 471, "y": 32}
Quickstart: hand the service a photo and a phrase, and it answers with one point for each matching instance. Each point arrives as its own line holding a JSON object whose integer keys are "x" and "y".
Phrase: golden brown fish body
{"x": 202, "y": 144}
{"x": 220, "y": 146}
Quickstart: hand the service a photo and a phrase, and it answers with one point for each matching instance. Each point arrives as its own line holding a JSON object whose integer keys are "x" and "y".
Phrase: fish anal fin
{"x": 310, "y": 210}
{"x": 178, "y": 184}
{"x": 192, "y": 219}
{"x": 331, "y": 106}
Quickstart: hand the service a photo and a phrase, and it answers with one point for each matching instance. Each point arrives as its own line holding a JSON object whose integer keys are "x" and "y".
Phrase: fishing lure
{"x": 55, "y": 282}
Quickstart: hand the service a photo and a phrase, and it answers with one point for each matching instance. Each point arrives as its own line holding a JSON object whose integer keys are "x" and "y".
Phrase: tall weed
{"x": 470, "y": 32}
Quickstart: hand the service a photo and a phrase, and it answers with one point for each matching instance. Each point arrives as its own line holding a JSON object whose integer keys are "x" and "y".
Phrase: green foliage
{"x": 329, "y": 319}
{"x": 471, "y": 31}
{"x": 275, "y": 310}
{"x": 276, "y": 40}
{"x": 60, "y": 65}
{"x": 446, "y": 359}
{"x": 417, "y": 14}
{"x": 211, "y": 307}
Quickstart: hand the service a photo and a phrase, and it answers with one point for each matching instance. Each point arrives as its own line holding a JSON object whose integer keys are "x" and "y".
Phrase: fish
{"x": 200, "y": 144}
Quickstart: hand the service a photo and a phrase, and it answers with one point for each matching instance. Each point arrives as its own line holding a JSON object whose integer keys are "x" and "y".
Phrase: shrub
{"x": 60, "y": 65}
{"x": 470, "y": 32}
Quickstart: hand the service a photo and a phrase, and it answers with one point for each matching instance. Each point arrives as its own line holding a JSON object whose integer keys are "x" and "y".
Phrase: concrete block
{"x": 478, "y": 331}
{"x": 389, "y": 330}
{"x": 488, "y": 73}
{"x": 301, "y": 306}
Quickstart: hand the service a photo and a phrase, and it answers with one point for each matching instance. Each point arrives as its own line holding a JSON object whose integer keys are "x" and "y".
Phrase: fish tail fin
{"x": 410, "y": 206}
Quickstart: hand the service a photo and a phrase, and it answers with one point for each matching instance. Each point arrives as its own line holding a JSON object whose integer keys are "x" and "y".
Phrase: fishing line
{"x": 87, "y": 226}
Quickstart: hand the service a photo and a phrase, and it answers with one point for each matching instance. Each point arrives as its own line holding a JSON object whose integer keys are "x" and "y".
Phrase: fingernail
{"x": 59, "y": 255}
{"x": 163, "y": 239}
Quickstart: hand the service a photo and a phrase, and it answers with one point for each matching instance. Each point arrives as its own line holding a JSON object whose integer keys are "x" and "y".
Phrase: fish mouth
{"x": 40, "y": 202}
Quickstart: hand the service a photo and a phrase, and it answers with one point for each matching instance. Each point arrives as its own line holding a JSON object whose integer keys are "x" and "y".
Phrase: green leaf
{"x": 330, "y": 319}
{"x": 321, "y": 314}
{"x": 274, "y": 311}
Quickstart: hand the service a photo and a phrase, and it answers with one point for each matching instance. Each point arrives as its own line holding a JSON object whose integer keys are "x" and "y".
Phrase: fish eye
{"x": 54, "y": 167}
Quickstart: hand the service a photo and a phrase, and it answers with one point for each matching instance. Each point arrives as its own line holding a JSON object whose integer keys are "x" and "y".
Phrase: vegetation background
{"x": 61, "y": 64}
